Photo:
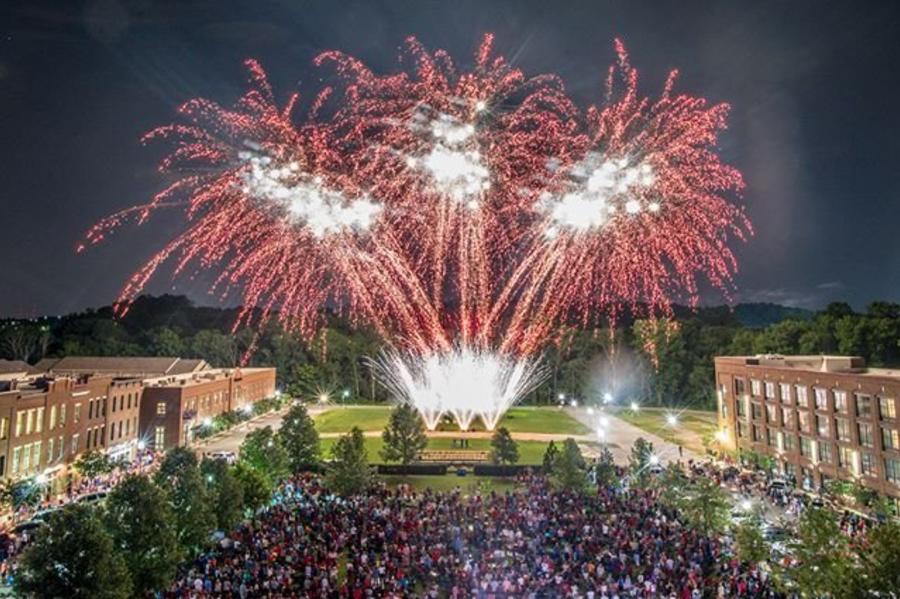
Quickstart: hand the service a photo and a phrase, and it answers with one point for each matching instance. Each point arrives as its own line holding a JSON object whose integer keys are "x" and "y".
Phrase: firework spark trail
{"x": 466, "y": 215}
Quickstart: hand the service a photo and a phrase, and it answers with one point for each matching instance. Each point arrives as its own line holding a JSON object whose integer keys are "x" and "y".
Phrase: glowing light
{"x": 722, "y": 436}
{"x": 671, "y": 420}
{"x": 590, "y": 411}
{"x": 304, "y": 200}
{"x": 654, "y": 460}
{"x": 607, "y": 397}
{"x": 746, "y": 505}
{"x": 604, "y": 421}
{"x": 464, "y": 382}
{"x": 207, "y": 422}
{"x": 247, "y": 408}
{"x": 41, "y": 479}
{"x": 634, "y": 406}
{"x": 141, "y": 445}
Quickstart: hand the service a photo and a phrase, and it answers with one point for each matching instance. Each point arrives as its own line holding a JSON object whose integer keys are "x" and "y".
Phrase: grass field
{"x": 530, "y": 452}
{"x": 517, "y": 420}
{"x": 693, "y": 425}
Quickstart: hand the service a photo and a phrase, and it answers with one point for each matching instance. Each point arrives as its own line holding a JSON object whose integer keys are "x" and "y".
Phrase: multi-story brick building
{"x": 47, "y": 422}
{"x": 819, "y": 417}
{"x": 173, "y": 408}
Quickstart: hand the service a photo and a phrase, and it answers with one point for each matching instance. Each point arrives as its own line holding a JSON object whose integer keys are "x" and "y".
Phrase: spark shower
{"x": 466, "y": 214}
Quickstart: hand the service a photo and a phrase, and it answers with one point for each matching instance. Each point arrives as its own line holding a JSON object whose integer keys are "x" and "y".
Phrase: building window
{"x": 50, "y": 454}
{"x": 741, "y": 429}
{"x": 823, "y": 428}
{"x": 890, "y": 438}
{"x": 39, "y": 420}
{"x": 867, "y": 462}
{"x": 842, "y": 426}
{"x": 863, "y": 405}
{"x": 755, "y": 387}
{"x": 771, "y": 437}
{"x": 59, "y": 447}
{"x": 77, "y": 412}
{"x": 845, "y": 457}
{"x": 770, "y": 390}
{"x": 16, "y": 458}
{"x": 865, "y": 434}
{"x": 802, "y": 398}
{"x": 757, "y": 411}
{"x": 757, "y": 434}
{"x": 52, "y": 424}
{"x": 821, "y": 398}
{"x": 159, "y": 437}
{"x": 790, "y": 442}
{"x": 825, "y": 455}
{"x": 771, "y": 414}
{"x": 62, "y": 415}
{"x": 787, "y": 417}
{"x": 740, "y": 406}
{"x": 887, "y": 408}
{"x": 803, "y": 419}
{"x": 785, "y": 393}
{"x": 4, "y": 428}
{"x": 806, "y": 447}
{"x": 892, "y": 470}
{"x": 74, "y": 448}
{"x": 161, "y": 408}
{"x": 90, "y": 409}
{"x": 840, "y": 401}
{"x": 29, "y": 421}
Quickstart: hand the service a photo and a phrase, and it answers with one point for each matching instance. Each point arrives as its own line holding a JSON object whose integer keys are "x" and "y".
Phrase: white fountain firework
{"x": 464, "y": 383}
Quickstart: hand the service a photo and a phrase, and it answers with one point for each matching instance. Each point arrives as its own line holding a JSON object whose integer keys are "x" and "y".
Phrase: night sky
{"x": 814, "y": 127}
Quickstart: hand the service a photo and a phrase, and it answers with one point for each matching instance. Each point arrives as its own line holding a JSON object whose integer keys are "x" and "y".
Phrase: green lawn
{"x": 530, "y": 452}
{"x": 517, "y": 420}
{"x": 468, "y": 484}
{"x": 693, "y": 425}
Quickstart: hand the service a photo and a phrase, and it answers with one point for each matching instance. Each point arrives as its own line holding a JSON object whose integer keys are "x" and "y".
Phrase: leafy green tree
{"x": 550, "y": 456}
{"x": 93, "y": 463}
{"x": 164, "y": 341}
{"x": 73, "y": 556}
{"x": 639, "y": 460}
{"x": 225, "y": 491}
{"x": 404, "y": 436}
{"x": 672, "y": 485}
{"x": 22, "y": 493}
{"x": 179, "y": 476}
{"x": 704, "y": 505}
{"x": 568, "y": 471}
{"x": 142, "y": 526}
{"x": 256, "y": 489}
{"x": 750, "y": 544}
{"x": 823, "y": 555}
{"x": 878, "y": 574}
{"x": 504, "y": 449}
{"x": 605, "y": 468}
{"x": 262, "y": 451}
{"x": 348, "y": 472}
{"x": 299, "y": 438}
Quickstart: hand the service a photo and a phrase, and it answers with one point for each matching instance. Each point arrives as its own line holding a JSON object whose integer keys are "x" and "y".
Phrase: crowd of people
{"x": 537, "y": 541}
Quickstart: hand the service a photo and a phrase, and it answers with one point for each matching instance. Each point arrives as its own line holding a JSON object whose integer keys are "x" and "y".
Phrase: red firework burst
{"x": 450, "y": 207}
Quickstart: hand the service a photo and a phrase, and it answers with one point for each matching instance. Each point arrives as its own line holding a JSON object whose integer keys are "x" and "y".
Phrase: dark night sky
{"x": 814, "y": 127}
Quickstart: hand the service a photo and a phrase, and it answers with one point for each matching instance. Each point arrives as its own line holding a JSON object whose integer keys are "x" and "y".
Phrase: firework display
{"x": 465, "y": 214}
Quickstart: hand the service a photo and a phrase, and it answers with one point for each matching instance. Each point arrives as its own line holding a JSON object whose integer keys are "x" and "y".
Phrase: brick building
{"x": 819, "y": 417}
{"x": 173, "y": 408}
{"x": 47, "y": 422}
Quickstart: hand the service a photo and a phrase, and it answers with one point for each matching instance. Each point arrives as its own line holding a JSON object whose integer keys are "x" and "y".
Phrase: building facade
{"x": 174, "y": 408}
{"x": 819, "y": 417}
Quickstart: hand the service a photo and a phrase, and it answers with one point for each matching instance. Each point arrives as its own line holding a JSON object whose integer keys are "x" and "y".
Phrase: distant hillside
{"x": 761, "y": 315}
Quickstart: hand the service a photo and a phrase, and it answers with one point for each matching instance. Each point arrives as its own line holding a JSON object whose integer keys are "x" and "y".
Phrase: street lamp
{"x": 590, "y": 411}
{"x": 671, "y": 419}
{"x": 634, "y": 406}
{"x": 345, "y": 394}
{"x": 141, "y": 445}
{"x": 607, "y": 397}
{"x": 654, "y": 459}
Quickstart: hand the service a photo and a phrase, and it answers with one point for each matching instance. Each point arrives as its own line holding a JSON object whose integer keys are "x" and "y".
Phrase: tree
{"x": 704, "y": 505}
{"x": 93, "y": 464}
{"x": 551, "y": 454}
{"x": 179, "y": 476}
{"x": 142, "y": 526}
{"x": 262, "y": 451}
{"x": 568, "y": 471}
{"x": 822, "y": 553}
{"x": 404, "y": 436}
{"x": 22, "y": 493}
{"x": 878, "y": 574}
{"x": 299, "y": 438}
{"x": 749, "y": 542}
{"x": 73, "y": 556}
{"x": 639, "y": 460}
{"x": 605, "y": 468}
{"x": 255, "y": 488}
{"x": 348, "y": 472}
{"x": 504, "y": 449}
{"x": 225, "y": 491}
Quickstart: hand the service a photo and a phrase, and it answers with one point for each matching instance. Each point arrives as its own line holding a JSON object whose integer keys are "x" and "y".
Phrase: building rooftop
{"x": 15, "y": 367}
{"x": 821, "y": 363}
{"x": 125, "y": 366}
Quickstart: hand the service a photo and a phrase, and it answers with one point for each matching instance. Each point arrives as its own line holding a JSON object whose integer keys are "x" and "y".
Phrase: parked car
{"x": 95, "y": 497}
{"x": 227, "y": 456}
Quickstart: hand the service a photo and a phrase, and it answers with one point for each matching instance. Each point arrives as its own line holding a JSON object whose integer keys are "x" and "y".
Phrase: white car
{"x": 227, "y": 456}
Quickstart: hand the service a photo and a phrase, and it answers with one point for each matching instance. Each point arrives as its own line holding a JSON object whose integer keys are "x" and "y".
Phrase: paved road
{"x": 232, "y": 439}
{"x": 620, "y": 436}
